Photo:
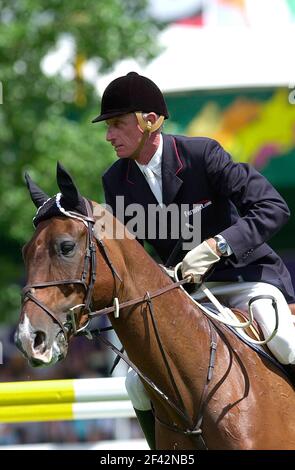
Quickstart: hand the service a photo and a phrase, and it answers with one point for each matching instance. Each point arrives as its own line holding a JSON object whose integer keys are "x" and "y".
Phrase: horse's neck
{"x": 141, "y": 273}
{"x": 137, "y": 269}
{"x": 141, "y": 276}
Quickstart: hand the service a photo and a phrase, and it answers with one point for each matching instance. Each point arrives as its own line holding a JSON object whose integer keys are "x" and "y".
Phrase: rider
{"x": 239, "y": 208}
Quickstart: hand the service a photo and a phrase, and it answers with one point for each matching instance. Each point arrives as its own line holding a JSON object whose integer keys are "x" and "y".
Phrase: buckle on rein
{"x": 71, "y": 320}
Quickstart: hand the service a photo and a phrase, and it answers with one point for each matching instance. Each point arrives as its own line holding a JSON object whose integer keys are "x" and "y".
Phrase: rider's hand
{"x": 199, "y": 260}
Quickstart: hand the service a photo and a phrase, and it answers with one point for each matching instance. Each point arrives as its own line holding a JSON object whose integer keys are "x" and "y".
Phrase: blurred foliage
{"x": 43, "y": 119}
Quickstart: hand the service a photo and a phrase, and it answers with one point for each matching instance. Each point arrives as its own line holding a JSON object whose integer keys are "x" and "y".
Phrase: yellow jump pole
{"x": 62, "y": 391}
{"x": 66, "y": 411}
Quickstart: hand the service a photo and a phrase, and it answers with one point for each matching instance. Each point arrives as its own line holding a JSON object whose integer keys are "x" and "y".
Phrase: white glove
{"x": 198, "y": 261}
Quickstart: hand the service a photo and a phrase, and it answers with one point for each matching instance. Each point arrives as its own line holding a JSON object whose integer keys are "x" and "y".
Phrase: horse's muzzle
{"x": 38, "y": 347}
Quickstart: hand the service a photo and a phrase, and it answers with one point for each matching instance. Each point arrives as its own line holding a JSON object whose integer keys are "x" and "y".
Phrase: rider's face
{"x": 124, "y": 133}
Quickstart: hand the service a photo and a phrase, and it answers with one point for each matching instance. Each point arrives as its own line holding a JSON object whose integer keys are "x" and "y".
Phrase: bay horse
{"x": 73, "y": 264}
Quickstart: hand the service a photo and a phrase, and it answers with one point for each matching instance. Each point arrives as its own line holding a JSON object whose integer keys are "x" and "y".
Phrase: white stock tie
{"x": 154, "y": 184}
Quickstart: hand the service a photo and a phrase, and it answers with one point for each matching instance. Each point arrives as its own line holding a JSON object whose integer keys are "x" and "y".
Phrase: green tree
{"x": 44, "y": 119}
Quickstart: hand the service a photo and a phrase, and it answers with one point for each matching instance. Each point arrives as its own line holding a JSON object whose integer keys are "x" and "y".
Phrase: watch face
{"x": 222, "y": 247}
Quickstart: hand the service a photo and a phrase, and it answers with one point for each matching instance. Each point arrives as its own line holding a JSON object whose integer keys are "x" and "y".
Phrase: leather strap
{"x": 139, "y": 300}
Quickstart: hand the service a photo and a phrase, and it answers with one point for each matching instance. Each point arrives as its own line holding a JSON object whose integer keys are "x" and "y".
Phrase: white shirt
{"x": 153, "y": 172}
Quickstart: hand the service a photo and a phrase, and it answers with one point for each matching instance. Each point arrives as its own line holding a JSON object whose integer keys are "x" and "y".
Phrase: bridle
{"x": 89, "y": 271}
{"x": 71, "y": 326}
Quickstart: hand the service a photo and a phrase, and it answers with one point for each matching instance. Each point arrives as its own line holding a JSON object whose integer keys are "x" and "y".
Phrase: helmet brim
{"x": 110, "y": 115}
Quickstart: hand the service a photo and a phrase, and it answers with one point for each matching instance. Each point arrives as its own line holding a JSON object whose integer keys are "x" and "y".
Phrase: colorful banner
{"x": 256, "y": 127}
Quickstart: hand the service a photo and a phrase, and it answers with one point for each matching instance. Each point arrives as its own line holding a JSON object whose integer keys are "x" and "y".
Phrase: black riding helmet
{"x": 129, "y": 94}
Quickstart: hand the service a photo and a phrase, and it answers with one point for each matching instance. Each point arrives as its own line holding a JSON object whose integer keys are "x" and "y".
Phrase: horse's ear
{"x": 67, "y": 186}
{"x": 69, "y": 190}
{"x": 37, "y": 195}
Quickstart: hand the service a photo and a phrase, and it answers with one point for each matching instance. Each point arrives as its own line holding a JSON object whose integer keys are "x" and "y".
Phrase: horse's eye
{"x": 67, "y": 248}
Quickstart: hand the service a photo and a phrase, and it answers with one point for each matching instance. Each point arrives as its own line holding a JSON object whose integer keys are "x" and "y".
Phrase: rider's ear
{"x": 37, "y": 195}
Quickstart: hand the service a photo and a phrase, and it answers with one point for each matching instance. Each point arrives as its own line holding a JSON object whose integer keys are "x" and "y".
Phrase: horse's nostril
{"x": 39, "y": 341}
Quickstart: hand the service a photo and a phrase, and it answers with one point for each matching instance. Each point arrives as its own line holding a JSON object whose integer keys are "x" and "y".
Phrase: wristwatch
{"x": 222, "y": 245}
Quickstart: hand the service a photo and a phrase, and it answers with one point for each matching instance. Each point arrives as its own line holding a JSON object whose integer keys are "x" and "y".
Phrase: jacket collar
{"x": 171, "y": 171}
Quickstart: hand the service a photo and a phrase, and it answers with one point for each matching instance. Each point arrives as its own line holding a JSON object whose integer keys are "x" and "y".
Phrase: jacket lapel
{"x": 171, "y": 167}
{"x": 139, "y": 188}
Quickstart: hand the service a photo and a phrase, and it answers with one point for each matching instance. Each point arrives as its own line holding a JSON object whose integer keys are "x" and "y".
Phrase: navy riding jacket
{"x": 234, "y": 200}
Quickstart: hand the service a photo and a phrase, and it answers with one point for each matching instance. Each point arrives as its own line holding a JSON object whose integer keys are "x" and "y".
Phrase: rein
{"x": 70, "y": 325}
{"x": 138, "y": 300}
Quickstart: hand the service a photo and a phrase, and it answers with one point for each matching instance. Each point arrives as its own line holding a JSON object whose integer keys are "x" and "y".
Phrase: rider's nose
{"x": 40, "y": 341}
{"x": 110, "y": 134}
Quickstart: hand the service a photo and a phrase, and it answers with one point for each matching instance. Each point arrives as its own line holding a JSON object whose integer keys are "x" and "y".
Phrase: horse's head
{"x": 60, "y": 262}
